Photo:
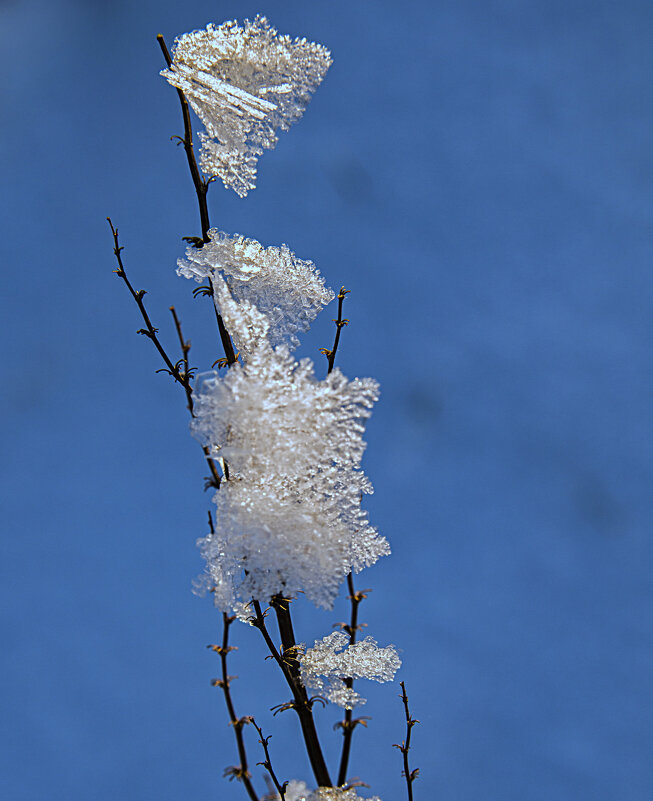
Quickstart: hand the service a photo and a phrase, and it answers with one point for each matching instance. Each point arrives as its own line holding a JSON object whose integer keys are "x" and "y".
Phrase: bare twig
{"x": 349, "y": 723}
{"x": 281, "y": 788}
{"x": 201, "y": 188}
{"x": 187, "y": 372}
{"x": 340, "y": 323}
{"x": 289, "y": 665}
{"x": 409, "y": 774}
{"x": 241, "y": 771}
{"x": 180, "y": 370}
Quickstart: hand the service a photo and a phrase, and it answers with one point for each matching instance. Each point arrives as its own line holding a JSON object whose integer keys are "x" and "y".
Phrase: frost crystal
{"x": 333, "y": 659}
{"x": 290, "y": 516}
{"x": 290, "y": 292}
{"x": 244, "y": 83}
{"x": 298, "y": 791}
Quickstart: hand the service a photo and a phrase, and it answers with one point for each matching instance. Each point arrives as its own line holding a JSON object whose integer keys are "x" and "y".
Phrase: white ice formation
{"x": 289, "y": 517}
{"x": 245, "y": 83}
{"x": 332, "y": 659}
{"x": 289, "y": 291}
{"x": 298, "y": 791}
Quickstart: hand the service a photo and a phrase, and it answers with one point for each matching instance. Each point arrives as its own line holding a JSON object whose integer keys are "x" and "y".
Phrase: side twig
{"x": 340, "y": 323}
{"x": 281, "y": 788}
{"x": 179, "y": 371}
{"x": 241, "y": 771}
{"x": 409, "y": 774}
{"x": 201, "y": 189}
{"x": 349, "y": 723}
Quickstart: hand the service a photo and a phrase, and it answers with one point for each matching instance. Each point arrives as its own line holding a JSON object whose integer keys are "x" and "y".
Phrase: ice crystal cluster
{"x": 290, "y": 292}
{"x": 245, "y": 83}
{"x": 289, "y": 517}
{"x": 298, "y": 791}
{"x": 332, "y": 659}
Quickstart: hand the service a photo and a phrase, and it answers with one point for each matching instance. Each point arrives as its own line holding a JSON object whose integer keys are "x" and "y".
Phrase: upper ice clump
{"x": 298, "y": 791}
{"x": 289, "y": 291}
{"x": 245, "y": 83}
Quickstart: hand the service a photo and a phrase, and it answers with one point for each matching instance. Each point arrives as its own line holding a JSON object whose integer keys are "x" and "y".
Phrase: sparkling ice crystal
{"x": 245, "y": 83}
{"x": 332, "y": 659}
{"x": 298, "y": 791}
{"x": 290, "y": 292}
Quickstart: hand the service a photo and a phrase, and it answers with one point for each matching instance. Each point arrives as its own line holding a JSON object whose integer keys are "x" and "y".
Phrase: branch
{"x": 281, "y": 788}
{"x": 348, "y": 724}
{"x": 340, "y": 323}
{"x": 289, "y": 665}
{"x": 201, "y": 188}
{"x": 241, "y": 771}
{"x": 409, "y": 774}
{"x": 180, "y": 376}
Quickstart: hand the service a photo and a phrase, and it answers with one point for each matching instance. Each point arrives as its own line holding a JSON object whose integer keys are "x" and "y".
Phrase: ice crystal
{"x": 298, "y": 791}
{"x": 245, "y": 83}
{"x": 289, "y": 291}
{"x": 333, "y": 659}
{"x": 289, "y": 517}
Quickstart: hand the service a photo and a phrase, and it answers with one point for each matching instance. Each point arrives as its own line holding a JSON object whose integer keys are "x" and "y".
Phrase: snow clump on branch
{"x": 289, "y": 516}
{"x": 298, "y": 791}
{"x": 332, "y": 659}
{"x": 245, "y": 83}
{"x": 289, "y": 291}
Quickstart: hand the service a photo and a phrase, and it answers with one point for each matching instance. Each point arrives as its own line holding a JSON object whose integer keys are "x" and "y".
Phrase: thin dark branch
{"x": 180, "y": 376}
{"x": 340, "y": 323}
{"x": 201, "y": 185}
{"x": 201, "y": 189}
{"x": 241, "y": 771}
{"x": 281, "y": 788}
{"x": 185, "y": 348}
{"x": 409, "y": 774}
{"x": 349, "y": 724}
{"x": 289, "y": 665}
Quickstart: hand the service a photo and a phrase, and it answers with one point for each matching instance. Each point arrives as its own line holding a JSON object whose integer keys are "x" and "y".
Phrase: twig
{"x": 281, "y": 788}
{"x": 349, "y": 724}
{"x": 201, "y": 188}
{"x": 289, "y": 665}
{"x": 241, "y": 771}
{"x": 340, "y": 323}
{"x": 180, "y": 376}
{"x": 409, "y": 774}
{"x": 185, "y": 348}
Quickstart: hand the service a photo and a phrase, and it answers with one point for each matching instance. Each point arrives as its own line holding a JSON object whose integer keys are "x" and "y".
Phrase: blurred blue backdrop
{"x": 480, "y": 174}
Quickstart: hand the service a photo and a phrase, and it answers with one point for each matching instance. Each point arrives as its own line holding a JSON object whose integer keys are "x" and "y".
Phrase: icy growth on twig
{"x": 244, "y": 83}
{"x": 290, "y": 516}
{"x": 298, "y": 791}
{"x": 288, "y": 290}
{"x": 333, "y": 659}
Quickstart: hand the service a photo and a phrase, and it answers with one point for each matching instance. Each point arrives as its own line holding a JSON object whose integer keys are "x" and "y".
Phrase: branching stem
{"x": 340, "y": 323}
{"x": 287, "y": 661}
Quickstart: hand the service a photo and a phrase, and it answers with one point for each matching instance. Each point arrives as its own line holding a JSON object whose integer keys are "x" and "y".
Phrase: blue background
{"x": 480, "y": 174}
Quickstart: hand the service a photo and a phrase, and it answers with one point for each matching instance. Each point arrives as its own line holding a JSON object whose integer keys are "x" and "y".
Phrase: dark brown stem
{"x": 304, "y": 709}
{"x": 200, "y": 184}
{"x": 409, "y": 774}
{"x": 201, "y": 189}
{"x": 340, "y": 323}
{"x": 241, "y": 771}
{"x": 180, "y": 376}
{"x": 281, "y": 788}
{"x": 348, "y": 724}
{"x": 185, "y": 348}
{"x": 287, "y": 661}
